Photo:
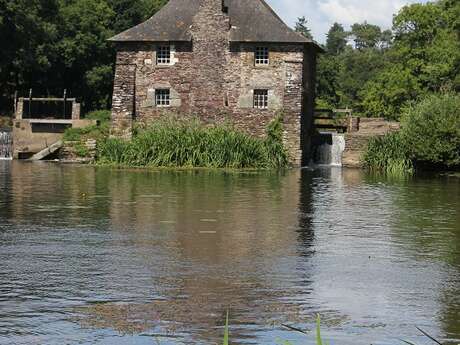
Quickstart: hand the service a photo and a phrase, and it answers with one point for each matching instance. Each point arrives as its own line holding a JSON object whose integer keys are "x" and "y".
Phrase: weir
{"x": 329, "y": 149}
{"x": 6, "y": 144}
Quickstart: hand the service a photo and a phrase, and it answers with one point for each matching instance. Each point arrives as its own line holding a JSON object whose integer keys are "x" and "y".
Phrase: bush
{"x": 431, "y": 130}
{"x": 99, "y": 115}
{"x": 177, "y": 143}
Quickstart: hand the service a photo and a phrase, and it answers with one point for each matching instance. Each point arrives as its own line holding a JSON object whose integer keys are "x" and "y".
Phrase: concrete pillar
{"x": 76, "y": 110}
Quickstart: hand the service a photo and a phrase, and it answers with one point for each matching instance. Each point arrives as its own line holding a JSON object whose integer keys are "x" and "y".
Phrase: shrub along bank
{"x": 189, "y": 143}
{"x": 429, "y": 138}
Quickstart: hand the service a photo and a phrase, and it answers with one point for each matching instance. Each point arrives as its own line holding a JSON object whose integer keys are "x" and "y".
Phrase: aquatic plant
{"x": 319, "y": 340}
{"x": 426, "y": 335}
{"x": 389, "y": 154}
{"x": 189, "y": 143}
{"x": 226, "y": 331}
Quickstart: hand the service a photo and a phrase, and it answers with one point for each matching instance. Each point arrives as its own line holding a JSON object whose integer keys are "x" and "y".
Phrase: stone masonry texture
{"x": 214, "y": 79}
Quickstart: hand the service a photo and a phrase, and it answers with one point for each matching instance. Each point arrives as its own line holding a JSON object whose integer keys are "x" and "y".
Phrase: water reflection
{"x": 95, "y": 255}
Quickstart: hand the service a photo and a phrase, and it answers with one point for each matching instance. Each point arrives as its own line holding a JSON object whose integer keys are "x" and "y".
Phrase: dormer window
{"x": 164, "y": 55}
{"x": 262, "y": 56}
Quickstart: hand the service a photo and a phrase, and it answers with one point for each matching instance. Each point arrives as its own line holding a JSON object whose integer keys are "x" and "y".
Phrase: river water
{"x": 99, "y": 256}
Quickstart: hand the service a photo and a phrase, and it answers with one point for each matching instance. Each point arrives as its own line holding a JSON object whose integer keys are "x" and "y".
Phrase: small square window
{"x": 261, "y": 99}
{"x": 262, "y": 56}
{"x": 163, "y": 55}
{"x": 163, "y": 97}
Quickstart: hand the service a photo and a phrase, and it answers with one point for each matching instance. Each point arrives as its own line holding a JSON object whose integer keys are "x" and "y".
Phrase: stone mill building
{"x": 222, "y": 61}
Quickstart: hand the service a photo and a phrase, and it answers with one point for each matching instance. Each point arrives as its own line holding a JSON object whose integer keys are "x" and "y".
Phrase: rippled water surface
{"x": 98, "y": 256}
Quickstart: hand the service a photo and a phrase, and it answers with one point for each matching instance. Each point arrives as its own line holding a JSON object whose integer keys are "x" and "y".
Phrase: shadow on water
{"x": 96, "y": 255}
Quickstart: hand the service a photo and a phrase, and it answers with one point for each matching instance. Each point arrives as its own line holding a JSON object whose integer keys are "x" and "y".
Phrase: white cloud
{"x": 321, "y": 14}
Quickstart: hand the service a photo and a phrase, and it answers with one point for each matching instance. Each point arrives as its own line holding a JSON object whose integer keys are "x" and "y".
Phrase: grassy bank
{"x": 429, "y": 138}
{"x": 189, "y": 143}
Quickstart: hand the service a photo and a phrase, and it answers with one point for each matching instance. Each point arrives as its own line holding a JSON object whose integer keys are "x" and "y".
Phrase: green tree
{"x": 387, "y": 93}
{"x": 84, "y": 52}
{"x": 302, "y": 28}
{"x": 366, "y": 35}
{"x": 424, "y": 57}
{"x": 336, "y": 39}
{"x": 132, "y": 12}
{"x": 27, "y": 30}
{"x": 357, "y": 67}
{"x": 327, "y": 87}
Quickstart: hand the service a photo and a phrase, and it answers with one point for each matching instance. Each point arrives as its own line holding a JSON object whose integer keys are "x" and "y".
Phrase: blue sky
{"x": 321, "y": 14}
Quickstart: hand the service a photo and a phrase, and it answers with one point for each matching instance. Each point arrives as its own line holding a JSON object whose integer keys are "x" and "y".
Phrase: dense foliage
{"x": 430, "y": 136}
{"x": 52, "y": 45}
{"x": 378, "y": 72}
{"x": 431, "y": 130}
{"x": 176, "y": 143}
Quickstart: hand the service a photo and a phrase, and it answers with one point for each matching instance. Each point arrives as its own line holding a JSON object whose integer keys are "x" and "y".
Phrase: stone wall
{"x": 214, "y": 80}
{"x": 71, "y": 151}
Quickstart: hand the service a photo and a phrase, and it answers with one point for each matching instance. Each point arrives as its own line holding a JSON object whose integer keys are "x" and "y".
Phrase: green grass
{"x": 176, "y": 143}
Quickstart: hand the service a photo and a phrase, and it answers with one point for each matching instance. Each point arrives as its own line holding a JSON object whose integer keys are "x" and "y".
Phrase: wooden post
{"x": 15, "y": 105}
{"x": 30, "y": 103}
{"x": 65, "y": 100}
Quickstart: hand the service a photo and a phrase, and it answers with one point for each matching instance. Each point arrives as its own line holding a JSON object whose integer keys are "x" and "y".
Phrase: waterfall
{"x": 329, "y": 148}
{"x": 6, "y": 143}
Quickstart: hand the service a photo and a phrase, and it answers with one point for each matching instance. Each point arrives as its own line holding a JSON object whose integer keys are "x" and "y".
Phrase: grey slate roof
{"x": 171, "y": 23}
{"x": 251, "y": 21}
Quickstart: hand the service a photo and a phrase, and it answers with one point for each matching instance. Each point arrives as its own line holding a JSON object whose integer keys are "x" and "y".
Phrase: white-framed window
{"x": 162, "y": 97}
{"x": 261, "y": 99}
{"x": 164, "y": 55}
{"x": 262, "y": 56}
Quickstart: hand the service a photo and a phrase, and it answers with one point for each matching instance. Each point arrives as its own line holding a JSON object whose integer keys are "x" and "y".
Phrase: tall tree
{"x": 302, "y": 28}
{"x": 336, "y": 39}
{"x": 366, "y": 35}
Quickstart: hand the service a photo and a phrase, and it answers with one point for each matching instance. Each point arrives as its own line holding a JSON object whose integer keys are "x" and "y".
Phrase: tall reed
{"x": 174, "y": 143}
{"x": 388, "y": 154}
